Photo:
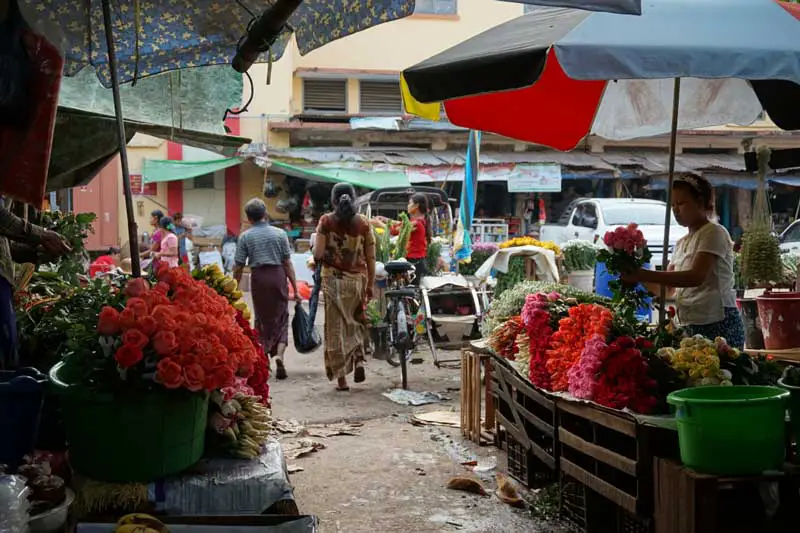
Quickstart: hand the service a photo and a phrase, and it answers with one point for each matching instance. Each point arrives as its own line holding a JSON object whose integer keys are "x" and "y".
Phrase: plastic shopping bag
{"x": 306, "y": 337}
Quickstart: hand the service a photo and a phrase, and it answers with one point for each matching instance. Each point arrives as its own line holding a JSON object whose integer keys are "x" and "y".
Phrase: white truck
{"x": 790, "y": 238}
{"x": 588, "y": 219}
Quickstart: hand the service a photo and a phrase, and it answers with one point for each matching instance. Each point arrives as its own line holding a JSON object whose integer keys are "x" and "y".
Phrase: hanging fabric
{"x": 15, "y": 64}
{"x": 25, "y": 148}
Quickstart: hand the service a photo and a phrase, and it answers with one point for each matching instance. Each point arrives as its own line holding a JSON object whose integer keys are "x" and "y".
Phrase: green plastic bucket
{"x": 794, "y": 410}
{"x": 133, "y": 438}
{"x": 735, "y": 431}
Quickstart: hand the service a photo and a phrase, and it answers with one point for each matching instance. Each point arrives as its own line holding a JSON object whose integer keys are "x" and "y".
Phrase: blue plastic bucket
{"x": 601, "y": 280}
{"x": 21, "y": 396}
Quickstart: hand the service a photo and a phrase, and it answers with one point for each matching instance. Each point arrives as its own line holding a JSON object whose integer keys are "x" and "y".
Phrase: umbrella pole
{"x": 673, "y": 146}
{"x": 133, "y": 238}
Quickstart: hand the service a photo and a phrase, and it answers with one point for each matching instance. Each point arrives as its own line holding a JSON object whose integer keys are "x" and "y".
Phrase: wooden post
{"x": 489, "y": 419}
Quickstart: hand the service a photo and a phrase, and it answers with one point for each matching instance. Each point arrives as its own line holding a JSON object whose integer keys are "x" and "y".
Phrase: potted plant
{"x": 378, "y": 330}
{"x": 136, "y": 399}
{"x": 580, "y": 258}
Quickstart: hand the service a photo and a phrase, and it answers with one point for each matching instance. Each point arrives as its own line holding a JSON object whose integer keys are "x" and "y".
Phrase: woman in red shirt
{"x": 421, "y": 233}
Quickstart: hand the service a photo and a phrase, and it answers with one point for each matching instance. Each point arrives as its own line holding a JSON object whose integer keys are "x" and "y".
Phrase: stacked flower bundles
{"x": 537, "y": 320}
{"x": 568, "y": 343}
{"x": 615, "y": 374}
{"x": 701, "y": 361}
{"x": 178, "y": 333}
{"x": 580, "y": 357}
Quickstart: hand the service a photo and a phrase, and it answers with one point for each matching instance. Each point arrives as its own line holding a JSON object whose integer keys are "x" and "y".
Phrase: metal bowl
{"x": 53, "y": 520}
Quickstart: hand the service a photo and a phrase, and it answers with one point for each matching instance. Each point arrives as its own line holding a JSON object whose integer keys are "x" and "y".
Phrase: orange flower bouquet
{"x": 568, "y": 342}
{"x": 177, "y": 333}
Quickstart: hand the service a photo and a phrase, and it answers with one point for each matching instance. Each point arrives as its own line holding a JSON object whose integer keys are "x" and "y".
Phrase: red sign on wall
{"x": 144, "y": 189}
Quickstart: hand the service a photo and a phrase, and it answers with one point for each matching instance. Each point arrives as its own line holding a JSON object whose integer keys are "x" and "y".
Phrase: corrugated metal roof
{"x": 649, "y": 162}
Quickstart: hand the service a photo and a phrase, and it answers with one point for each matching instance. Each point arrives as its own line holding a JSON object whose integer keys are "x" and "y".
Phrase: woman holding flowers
{"x": 701, "y": 269}
{"x": 421, "y": 233}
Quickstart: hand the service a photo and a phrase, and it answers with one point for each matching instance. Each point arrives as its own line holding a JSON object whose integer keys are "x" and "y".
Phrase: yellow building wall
{"x": 388, "y": 48}
{"x": 140, "y": 148}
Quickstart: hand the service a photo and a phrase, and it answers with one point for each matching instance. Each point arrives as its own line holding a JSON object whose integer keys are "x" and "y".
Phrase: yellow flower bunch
{"x": 225, "y": 285}
{"x": 698, "y": 360}
{"x": 530, "y": 241}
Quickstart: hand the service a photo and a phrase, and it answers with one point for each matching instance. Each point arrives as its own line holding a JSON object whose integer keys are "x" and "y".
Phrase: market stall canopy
{"x": 358, "y": 178}
{"x": 437, "y": 167}
{"x": 162, "y": 35}
{"x": 160, "y": 170}
{"x": 85, "y": 142}
{"x": 556, "y": 75}
{"x": 189, "y": 99}
{"x": 626, "y": 7}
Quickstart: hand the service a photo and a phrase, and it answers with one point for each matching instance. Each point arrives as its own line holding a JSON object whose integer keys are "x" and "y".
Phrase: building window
{"x": 380, "y": 98}
{"x": 324, "y": 96}
{"x": 206, "y": 181}
{"x": 437, "y": 7}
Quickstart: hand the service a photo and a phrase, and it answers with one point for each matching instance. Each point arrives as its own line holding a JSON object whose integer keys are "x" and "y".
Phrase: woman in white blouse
{"x": 701, "y": 269}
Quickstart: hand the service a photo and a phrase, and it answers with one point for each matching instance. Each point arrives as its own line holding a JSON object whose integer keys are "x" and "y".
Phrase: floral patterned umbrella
{"x": 153, "y": 36}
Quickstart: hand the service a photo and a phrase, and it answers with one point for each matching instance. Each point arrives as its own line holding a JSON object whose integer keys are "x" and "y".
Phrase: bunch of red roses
{"x": 623, "y": 381}
{"x": 179, "y": 330}
{"x": 259, "y": 380}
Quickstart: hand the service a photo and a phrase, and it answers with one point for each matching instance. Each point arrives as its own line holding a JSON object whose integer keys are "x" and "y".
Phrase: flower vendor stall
{"x": 519, "y": 259}
{"x": 158, "y": 392}
{"x": 586, "y": 395}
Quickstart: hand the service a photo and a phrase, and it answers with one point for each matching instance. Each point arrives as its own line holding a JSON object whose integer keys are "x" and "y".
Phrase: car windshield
{"x": 642, "y": 214}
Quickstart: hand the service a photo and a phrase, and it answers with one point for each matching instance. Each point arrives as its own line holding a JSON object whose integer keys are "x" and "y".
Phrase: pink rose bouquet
{"x": 627, "y": 251}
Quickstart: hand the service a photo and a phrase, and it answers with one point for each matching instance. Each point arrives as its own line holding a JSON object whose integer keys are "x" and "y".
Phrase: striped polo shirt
{"x": 262, "y": 245}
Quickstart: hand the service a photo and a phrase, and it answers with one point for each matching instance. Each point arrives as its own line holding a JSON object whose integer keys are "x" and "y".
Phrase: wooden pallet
{"x": 530, "y": 419}
{"x": 474, "y": 391}
{"x": 612, "y": 454}
{"x": 689, "y": 502}
{"x": 790, "y": 355}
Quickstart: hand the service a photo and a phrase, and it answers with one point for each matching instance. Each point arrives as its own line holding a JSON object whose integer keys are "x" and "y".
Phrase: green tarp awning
{"x": 158, "y": 170}
{"x": 358, "y": 178}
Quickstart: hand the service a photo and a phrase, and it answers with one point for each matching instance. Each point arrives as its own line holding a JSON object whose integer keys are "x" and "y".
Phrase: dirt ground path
{"x": 391, "y": 475}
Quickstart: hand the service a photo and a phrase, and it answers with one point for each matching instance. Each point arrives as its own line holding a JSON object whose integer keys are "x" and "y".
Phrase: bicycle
{"x": 401, "y": 307}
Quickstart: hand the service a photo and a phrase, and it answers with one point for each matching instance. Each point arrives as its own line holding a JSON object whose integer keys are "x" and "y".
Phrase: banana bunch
{"x": 241, "y": 425}
{"x": 140, "y": 523}
{"x": 213, "y": 276}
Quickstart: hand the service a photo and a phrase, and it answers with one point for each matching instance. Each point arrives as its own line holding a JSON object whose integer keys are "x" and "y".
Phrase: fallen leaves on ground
{"x": 466, "y": 484}
{"x": 508, "y": 493}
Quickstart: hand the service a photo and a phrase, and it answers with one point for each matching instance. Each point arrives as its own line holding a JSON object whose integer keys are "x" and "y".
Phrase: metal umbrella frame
{"x": 510, "y": 79}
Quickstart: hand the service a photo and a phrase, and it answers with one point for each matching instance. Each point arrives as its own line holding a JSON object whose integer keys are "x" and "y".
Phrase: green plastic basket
{"x": 736, "y": 431}
{"x": 137, "y": 438}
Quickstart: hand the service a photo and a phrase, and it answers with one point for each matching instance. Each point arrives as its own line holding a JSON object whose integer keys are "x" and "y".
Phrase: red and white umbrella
{"x": 554, "y": 76}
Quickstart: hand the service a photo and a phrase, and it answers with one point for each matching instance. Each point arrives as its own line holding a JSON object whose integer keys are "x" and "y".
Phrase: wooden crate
{"x": 530, "y": 419}
{"x": 689, "y": 502}
{"x": 585, "y": 511}
{"x": 612, "y": 454}
{"x": 476, "y": 389}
